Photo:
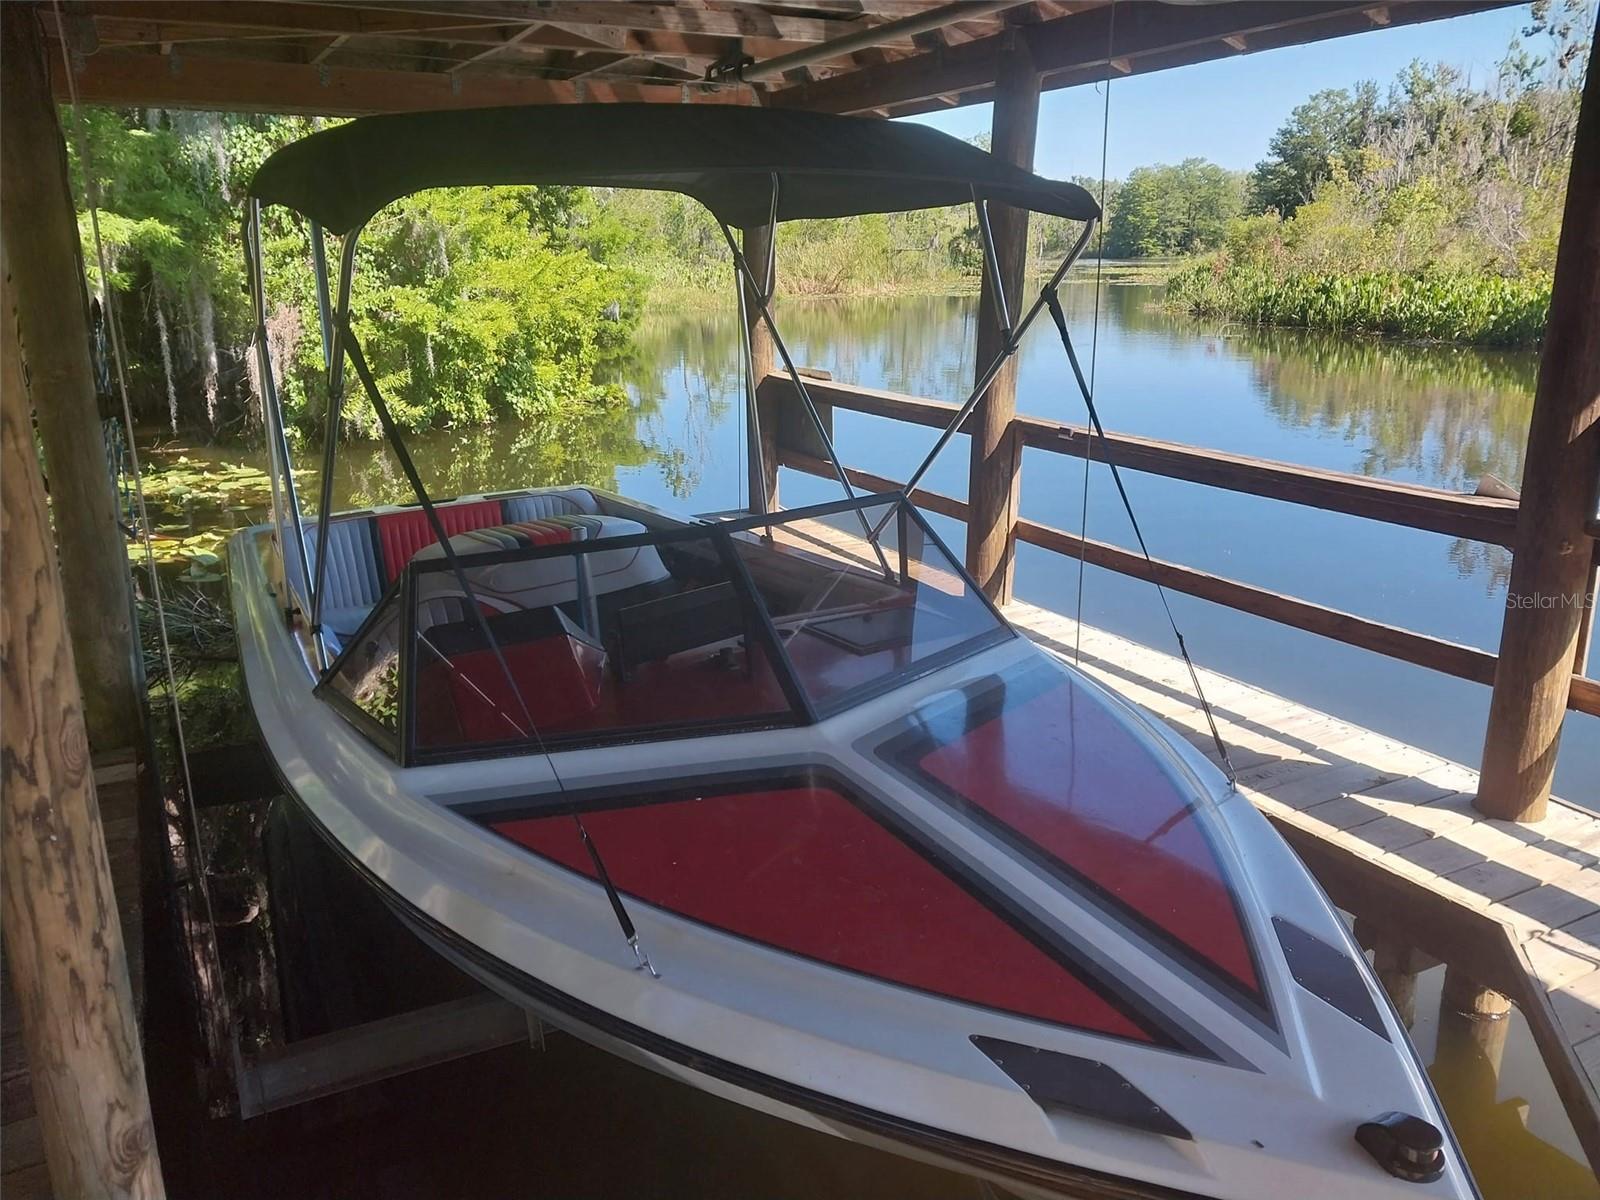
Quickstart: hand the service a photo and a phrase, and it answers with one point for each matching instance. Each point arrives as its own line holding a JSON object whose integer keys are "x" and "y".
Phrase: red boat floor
{"x": 805, "y": 870}
{"x": 1064, "y": 773}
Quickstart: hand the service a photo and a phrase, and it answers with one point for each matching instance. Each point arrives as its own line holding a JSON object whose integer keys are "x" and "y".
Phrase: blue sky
{"x": 1227, "y": 110}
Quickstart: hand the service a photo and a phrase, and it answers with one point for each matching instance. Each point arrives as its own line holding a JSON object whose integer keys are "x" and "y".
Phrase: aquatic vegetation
{"x": 182, "y": 484}
{"x": 194, "y": 507}
{"x": 1477, "y": 309}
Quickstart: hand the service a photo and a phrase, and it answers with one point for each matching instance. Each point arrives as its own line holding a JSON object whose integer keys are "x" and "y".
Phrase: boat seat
{"x": 401, "y": 534}
{"x": 564, "y": 503}
{"x": 367, "y": 552}
{"x": 540, "y": 582}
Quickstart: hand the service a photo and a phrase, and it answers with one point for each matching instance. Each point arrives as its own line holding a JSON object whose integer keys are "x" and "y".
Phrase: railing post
{"x": 41, "y": 234}
{"x": 762, "y": 458}
{"x": 63, "y": 941}
{"x": 995, "y": 472}
{"x": 1547, "y": 604}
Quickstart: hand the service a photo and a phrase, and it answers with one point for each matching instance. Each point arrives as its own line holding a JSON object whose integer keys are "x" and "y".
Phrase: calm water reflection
{"x": 1426, "y": 414}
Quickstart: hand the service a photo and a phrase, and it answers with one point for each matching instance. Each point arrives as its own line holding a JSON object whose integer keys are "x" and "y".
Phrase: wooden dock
{"x": 1390, "y": 832}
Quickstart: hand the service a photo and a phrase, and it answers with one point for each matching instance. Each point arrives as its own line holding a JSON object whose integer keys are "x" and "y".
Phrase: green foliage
{"x": 1318, "y": 134}
{"x": 1486, "y": 310}
{"x": 1181, "y": 209}
{"x": 471, "y": 304}
{"x": 676, "y": 244}
{"x": 1434, "y": 214}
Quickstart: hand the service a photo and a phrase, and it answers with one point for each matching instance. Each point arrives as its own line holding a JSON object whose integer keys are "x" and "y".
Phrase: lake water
{"x": 1442, "y": 416}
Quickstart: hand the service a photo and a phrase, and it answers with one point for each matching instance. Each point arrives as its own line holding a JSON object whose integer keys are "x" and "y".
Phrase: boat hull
{"x": 1135, "y": 940}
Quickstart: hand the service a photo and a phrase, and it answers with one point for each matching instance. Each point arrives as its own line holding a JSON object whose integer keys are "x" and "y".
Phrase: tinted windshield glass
{"x": 862, "y": 598}
{"x": 366, "y": 675}
{"x": 596, "y": 627}
{"x": 621, "y": 637}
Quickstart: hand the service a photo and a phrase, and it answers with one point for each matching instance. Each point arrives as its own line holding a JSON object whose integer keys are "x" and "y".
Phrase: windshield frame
{"x": 801, "y": 707}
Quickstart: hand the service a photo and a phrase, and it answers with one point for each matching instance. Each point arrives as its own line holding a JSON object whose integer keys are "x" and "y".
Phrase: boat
{"x": 777, "y": 803}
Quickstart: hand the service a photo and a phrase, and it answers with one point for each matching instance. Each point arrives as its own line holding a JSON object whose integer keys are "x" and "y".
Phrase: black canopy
{"x": 722, "y": 155}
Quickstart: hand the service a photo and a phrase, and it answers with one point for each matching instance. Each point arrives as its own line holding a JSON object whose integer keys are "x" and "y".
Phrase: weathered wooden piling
{"x": 1547, "y": 604}
{"x": 40, "y": 228}
{"x": 761, "y": 459}
{"x": 63, "y": 942}
{"x": 995, "y": 475}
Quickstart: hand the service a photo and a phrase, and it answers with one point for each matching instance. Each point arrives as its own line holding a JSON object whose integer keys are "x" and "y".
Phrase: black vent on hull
{"x": 1079, "y": 1085}
{"x": 1330, "y": 974}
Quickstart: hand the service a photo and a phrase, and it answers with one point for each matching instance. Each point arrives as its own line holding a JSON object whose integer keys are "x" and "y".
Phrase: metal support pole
{"x": 319, "y": 270}
{"x": 269, "y": 401}
{"x": 334, "y": 360}
{"x": 991, "y": 262}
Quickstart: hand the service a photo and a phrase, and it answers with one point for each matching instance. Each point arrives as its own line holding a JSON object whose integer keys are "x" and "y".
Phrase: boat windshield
{"x": 601, "y": 628}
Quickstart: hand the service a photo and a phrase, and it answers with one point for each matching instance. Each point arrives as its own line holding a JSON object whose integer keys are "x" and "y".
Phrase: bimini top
{"x": 722, "y": 155}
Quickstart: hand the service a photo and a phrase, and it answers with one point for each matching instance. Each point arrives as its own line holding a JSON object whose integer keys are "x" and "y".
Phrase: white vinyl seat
{"x": 537, "y": 582}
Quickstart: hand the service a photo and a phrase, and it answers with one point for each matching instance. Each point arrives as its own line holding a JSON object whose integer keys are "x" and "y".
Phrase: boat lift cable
{"x": 352, "y": 348}
{"x": 1094, "y": 335}
{"x": 196, "y": 852}
{"x": 1053, "y": 301}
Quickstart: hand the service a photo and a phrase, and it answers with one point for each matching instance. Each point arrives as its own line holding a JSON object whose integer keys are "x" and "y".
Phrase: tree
{"x": 1179, "y": 209}
{"x": 1324, "y": 129}
{"x": 472, "y": 304}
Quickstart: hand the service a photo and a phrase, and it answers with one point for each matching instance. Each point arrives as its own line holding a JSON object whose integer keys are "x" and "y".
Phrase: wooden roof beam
{"x": 516, "y": 38}
{"x": 269, "y": 18}
{"x": 1073, "y": 49}
{"x": 746, "y": 20}
{"x": 250, "y": 85}
{"x": 495, "y": 40}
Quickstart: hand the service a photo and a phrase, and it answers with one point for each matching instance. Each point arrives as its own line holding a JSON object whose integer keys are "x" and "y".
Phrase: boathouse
{"x": 1473, "y": 865}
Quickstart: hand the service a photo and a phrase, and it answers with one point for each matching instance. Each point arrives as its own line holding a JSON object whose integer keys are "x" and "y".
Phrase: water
{"x": 1433, "y": 415}
{"x": 1441, "y": 416}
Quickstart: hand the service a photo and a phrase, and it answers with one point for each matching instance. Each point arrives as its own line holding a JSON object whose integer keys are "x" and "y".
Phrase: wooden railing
{"x": 1480, "y": 518}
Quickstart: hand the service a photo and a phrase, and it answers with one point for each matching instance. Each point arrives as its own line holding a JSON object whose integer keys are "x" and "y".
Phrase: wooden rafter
{"x": 515, "y": 39}
{"x": 258, "y": 86}
{"x": 745, "y": 20}
{"x": 420, "y": 53}
{"x": 1143, "y": 35}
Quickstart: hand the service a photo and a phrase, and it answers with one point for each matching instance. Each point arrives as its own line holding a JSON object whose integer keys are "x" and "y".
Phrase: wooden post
{"x": 40, "y": 230}
{"x": 762, "y": 461}
{"x": 1546, "y": 603}
{"x": 994, "y": 476}
{"x": 1397, "y": 966}
{"x": 64, "y": 948}
{"x": 1479, "y": 1015}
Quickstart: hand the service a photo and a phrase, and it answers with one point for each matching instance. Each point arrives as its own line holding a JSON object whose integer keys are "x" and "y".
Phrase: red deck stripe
{"x": 804, "y": 870}
{"x": 1073, "y": 780}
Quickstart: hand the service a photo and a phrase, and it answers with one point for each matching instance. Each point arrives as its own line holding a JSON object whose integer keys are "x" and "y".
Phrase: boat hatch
{"x": 582, "y": 629}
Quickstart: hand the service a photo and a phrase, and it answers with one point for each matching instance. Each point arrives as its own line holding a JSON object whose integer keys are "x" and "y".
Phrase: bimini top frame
{"x": 750, "y": 167}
